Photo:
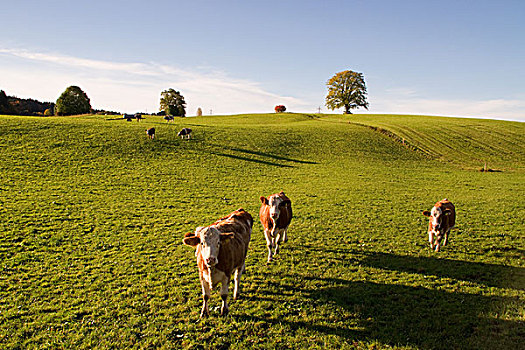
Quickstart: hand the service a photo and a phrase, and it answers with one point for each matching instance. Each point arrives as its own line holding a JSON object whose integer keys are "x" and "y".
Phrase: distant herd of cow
{"x": 150, "y": 132}
{"x": 221, "y": 247}
{"x": 184, "y": 133}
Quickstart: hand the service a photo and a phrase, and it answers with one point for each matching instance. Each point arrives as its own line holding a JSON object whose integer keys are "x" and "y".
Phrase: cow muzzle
{"x": 211, "y": 261}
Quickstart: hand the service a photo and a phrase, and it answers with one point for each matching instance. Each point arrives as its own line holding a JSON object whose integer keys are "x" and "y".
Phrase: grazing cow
{"x": 275, "y": 214}
{"x": 138, "y": 116}
{"x": 151, "y": 133}
{"x": 168, "y": 118}
{"x": 185, "y": 132}
{"x": 128, "y": 117}
{"x": 221, "y": 251}
{"x": 442, "y": 219}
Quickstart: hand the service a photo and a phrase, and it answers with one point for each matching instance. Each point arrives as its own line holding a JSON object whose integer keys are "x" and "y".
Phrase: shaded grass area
{"x": 93, "y": 213}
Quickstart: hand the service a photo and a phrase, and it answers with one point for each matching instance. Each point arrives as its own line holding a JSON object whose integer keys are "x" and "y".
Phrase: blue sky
{"x": 456, "y": 58}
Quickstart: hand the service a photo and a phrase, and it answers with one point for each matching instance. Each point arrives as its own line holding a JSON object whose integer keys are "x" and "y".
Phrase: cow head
{"x": 276, "y": 203}
{"x": 209, "y": 240}
{"x": 437, "y": 216}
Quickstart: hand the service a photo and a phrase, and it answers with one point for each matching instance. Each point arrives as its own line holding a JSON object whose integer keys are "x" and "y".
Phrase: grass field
{"x": 93, "y": 214}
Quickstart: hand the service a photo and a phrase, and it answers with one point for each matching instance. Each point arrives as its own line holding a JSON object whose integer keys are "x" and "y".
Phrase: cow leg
{"x": 277, "y": 240}
{"x": 224, "y": 296}
{"x": 268, "y": 244}
{"x": 206, "y": 291}
{"x": 437, "y": 243}
{"x": 446, "y": 238}
{"x": 285, "y": 235}
{"x": 431, "y": 239}
{"x": 237, "y": 282}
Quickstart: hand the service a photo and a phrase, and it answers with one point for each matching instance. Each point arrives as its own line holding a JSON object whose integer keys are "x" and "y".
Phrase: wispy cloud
{"x": 408, "y": 101}
{"x": 137, "y": 86}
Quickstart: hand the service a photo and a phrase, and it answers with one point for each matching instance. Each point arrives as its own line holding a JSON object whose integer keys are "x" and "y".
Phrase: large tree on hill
{"x": 172, "y": 102}
{"x": 73, "y": 101}
{"x": 346, "y": 89}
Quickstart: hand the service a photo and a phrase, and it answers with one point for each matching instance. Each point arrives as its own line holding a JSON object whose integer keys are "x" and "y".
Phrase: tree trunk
{"x": 347, "y": 109}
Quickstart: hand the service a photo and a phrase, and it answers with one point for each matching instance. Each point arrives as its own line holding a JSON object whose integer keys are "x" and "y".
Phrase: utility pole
{"x": 319, "y": 110}
{"x": 211, "y": 112}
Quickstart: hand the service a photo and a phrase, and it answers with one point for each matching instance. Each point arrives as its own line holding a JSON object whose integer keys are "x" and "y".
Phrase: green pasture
{"x": 92, "y": 216}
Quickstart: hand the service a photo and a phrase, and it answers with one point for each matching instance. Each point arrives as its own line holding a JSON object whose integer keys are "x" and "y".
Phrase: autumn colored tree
{"x": 346, "y": 89}
{"x": 280, "y": 109}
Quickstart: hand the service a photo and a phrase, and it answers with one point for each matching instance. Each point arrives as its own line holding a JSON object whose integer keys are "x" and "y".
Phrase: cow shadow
{"x": 404, "y": 314}
{"x": 422, "y": 317}
{"x": 398, "y": 315}
{"x": 491, "y": 275}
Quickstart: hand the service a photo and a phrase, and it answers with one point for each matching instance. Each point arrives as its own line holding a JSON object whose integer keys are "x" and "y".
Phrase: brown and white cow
{"x": 221, "y": 251}
{"x": 151, "y": 133}
{"x": 442, "y": 219}
{"x": 275, "y": 214}
{"x": 185, "y": 132}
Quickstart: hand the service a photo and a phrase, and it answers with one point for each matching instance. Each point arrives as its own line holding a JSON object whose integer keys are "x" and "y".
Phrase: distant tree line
{"x": 104, "y": 112}
{"x": 13, "y": 105}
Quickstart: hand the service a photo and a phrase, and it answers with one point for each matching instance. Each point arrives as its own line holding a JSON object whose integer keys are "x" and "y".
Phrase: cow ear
{"x": 426, "y": 213}
{"x": 264, "y": 200}
{"x": 191, "y": 240}
{"x": 285, "y": 203}
{"x": 225, "y": 237}
{"x": 281, "y": 193}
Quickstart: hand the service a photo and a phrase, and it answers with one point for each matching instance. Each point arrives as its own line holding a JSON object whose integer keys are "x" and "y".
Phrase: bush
{"x": 280, "y": 109}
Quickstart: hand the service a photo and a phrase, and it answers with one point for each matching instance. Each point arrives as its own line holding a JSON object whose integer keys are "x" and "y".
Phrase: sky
{"x": 449, "y": 57}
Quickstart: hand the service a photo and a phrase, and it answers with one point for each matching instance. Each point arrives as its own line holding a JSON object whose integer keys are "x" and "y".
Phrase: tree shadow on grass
{"x": 233, "y": 156}
{"x": 489, "y": 274}
{"x": 269, "y": 155}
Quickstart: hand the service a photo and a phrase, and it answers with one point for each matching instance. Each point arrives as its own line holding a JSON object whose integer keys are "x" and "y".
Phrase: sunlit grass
{"x": 93, "y": 214}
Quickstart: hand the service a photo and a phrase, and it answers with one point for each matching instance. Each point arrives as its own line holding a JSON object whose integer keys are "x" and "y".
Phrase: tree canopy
{"x": 280, "y": 109}
{"x": 172, "y": 102}
{"x": 5, "y": 107}
{"x": 72, "y": 101}
{"x": 346, "y": 89}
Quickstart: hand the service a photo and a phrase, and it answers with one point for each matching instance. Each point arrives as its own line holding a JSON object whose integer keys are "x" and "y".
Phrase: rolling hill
{"x": 93, "y": 214}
